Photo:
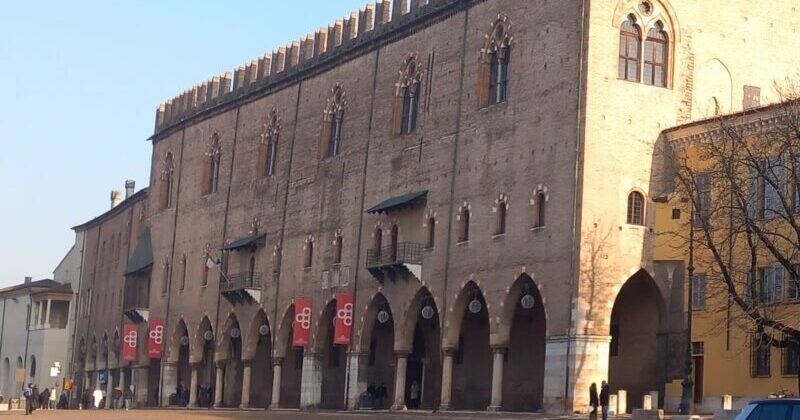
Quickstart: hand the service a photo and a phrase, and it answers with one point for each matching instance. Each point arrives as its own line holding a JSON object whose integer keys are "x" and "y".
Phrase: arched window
{"x": 630, "y": 38}
{"x": 165, "y": 278}
{"x": 33, "y": 366}
{"x": 502, "y": 209}
{"x": 211, "y": 170}
{"x": 167, "y": 179}
{"x": 395, "y": 241}
{"x": 183, "y": 272}
{"x": 431, "y": 232}
{"x": 331, "y": 138}
{"x": 406, "y": 104}
{"x": 378, "y": 240}
{"x": 251, "y": 272}
{"x": 540, "y": 204}
{"x": 655, "y": 57}
{"x": 493, "y": 80}
{"x": 309, "y": 252}
{"x": 636, "y": 208}
{"x": 206, "y": 267}
{"x": 268, "y": 149}
{"x": 337, "y": 252}
{"x": 464, "y": 234}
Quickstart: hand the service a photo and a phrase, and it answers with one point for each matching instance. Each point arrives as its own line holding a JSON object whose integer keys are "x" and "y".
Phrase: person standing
{"x": 594, "y": 401}
{"x": 415, "y": 390}
{"x": 604, "y": 399}
{"x": 28, "y": 394}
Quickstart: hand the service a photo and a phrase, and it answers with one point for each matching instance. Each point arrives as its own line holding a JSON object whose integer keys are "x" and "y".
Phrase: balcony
{"x": 242, "y": 288}
{"x": 395, "y": 261}
{"x": 136, "y": 302}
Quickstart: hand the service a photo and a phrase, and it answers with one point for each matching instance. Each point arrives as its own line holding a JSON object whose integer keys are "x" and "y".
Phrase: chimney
{"x": 130, "y": 187}
{"x": 28, "y": 279}
{"x": 116, "y": 198}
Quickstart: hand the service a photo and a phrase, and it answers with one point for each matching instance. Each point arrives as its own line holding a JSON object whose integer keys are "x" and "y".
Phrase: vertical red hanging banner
{"x": 155, "y": 338}
{"x": 302, "y": 322}
{"x": 130, "y": 337}
{"x": 343, "y": 324}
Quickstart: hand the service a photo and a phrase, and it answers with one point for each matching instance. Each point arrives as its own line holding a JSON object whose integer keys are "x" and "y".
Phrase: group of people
{"x": 45, "y": 400}
{"x": 598, "y": 402}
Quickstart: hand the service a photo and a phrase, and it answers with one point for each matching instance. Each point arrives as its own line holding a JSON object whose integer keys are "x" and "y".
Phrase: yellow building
{"x": 730, "y": 357}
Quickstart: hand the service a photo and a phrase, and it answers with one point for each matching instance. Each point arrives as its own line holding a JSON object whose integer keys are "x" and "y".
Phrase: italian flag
{"x": 210, "y": 263}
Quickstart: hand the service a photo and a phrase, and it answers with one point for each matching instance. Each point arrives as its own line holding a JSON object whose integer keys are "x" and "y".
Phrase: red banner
{"x": 343, "y": 324}
{"x": 302, "y": 322}
{"x": 130, "y": 337}
{"x": 155, "y": 338}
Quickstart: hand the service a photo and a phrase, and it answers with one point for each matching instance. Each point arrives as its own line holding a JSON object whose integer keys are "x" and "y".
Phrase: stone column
{"x": 311, "y": 384}
{"x": 563, "y": 356}
{"x": 109, "y": 388}
{"x": 121, "y": 385}
{"x": 357, "y": 377}
{"x": 169, "y": 382}
{"x": 219, "y": 384}
{"x": 193, "y": 386}
{"x": 142, "y": 389}
{"x": 447, "y": 379}
{"x": 276, "y": 383}
{"x": 400, "y": 382}
{"x": 246, "y": 372}
{"x": 497, "y": 379}
{"x": 47, "y": 317}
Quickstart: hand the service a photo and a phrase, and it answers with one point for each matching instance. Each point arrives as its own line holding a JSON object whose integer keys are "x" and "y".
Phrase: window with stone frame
{"x": 502, "y": 213}
{"x": 213, "y": 155}
{"x": 635, "y": 208}
{"x": 656, "y": 57}
{"x": 464, "y": 216}
{"x": 760, "y": 358}
{"x": 431, "y": 232}
{"x": 309, "y": 252}
{"x": 165, "y": 278}
{"x": 495, "y": 63}
{"x": 790, "y": 359}
{"x": 167, "y": 182}
{"x": 702, "y": 211}
{"x": 630, "y": 41}
{"x": 268, "y": 145}
{"x": 771, "y": 282}
{"x": 405, "y": 107}
{"x": 337, "y": 249}
{"x": 330, "y": 143}
{"x": 183, "y": 272}
{"x": 699, "y": 292}
{"x": 793, "y": 284}
{"x": 539, "y": 208}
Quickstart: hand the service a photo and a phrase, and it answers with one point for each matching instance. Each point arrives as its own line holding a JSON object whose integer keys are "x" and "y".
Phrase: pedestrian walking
{"x": 604, "y": 399}
{"x": 28, "y": 394}
{"x": 594, "y": 401}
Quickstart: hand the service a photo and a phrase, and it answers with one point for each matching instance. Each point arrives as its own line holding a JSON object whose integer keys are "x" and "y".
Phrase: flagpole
{"x": 217, "y": 265}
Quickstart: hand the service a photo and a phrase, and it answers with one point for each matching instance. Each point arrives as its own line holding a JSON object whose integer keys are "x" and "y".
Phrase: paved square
{"x": 269, "y": 415}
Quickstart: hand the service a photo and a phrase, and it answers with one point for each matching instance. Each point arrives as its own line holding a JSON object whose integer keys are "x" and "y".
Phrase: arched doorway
{"x": 206, "y": 371}
{"x": 378, "y": 340}
{"x": 421, "y": 336}
{"x": 231, "y": 355}
{"x": 291, "y": 360}
{"x": 523, "y": 327}
{"x": 180, "y": 347}
{"x": 19, "y": 385}
{"x": 468, "y": 336}
{"x": 259, "y": 354}
{"x": 6, "y": 375}
{"x": 333, "y": 360}
{"x": 634, "y": 351}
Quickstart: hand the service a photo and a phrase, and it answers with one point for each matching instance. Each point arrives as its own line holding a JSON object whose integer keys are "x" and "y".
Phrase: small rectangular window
{"x": 699, "y": 292}
{"x": 791, "y": 360}
{"x": 676, "y": 214}
{"x": 760, "y": 367}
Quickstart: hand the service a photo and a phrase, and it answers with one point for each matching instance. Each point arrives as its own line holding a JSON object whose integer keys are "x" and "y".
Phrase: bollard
{"x": 622, "y": 402}
{"x": 654, "y": 396}
{"x": 647, "y": 402}
{"x": 612, "y": 405}
{"x": 727, "y": 403}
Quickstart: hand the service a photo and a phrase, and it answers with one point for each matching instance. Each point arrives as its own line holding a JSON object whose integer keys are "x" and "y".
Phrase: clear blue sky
{"x": 80, "y": 84}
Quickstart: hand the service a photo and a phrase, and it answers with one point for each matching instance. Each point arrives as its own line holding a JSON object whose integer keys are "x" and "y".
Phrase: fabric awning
{"x": 142, "y": 258}
{"x": 400, "y": 202}
{"x": 250, "y": 242}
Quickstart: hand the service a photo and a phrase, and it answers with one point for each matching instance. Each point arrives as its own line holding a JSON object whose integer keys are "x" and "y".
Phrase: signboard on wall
{"x": 155, "y": 338}
{"x": 343, "y": 323}
{"x": 302, "y": 322}
{"x": 129, "y": 342}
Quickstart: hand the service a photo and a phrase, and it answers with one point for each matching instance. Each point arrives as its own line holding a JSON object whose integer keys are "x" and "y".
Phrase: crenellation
{"x": 214, "y": 85}
{"x": 160, "y": 115}
{"x": 306, "y": 49}
{"x": 293, "y": 55}
{"x": 238, "y": 78}
{"x": 264, "y": 66}
{"x": 278, "y": 60}
{"x": 416, "y": 4}
{"x": 336, "y": 32}
{"x": 321, "y": 42}
{"x": 202, "y": 93}
{"x": 352, "y": 27}
{"x": 225, "y": 84}
{"x": 366, "y": 19}
{"x": 192, "y": 98}
{"x": 251, "y": 74}
{"x": 383, "y": 13}
{"x": 399, "y": 8}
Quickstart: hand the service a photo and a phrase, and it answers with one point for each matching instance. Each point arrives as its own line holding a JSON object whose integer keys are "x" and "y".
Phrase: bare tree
{"x": 742, "y": 181}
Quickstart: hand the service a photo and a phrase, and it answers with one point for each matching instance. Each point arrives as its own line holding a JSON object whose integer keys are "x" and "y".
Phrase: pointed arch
{"x": 469, "y": 292}
{"x": 211, "y": 169}
{"x": 332, "y": 120}
{"x": 404, "y": 338}
{"x": 230, "y": 332}
{"x": 167, "y": 181}
{"x": 495, "y": 61}
{"x": 201, "y": 338}
{"x": 283, "y": 336}
{"x": 377, "y": 304}
{"x": 268, "y": 146}
{"x": 179, "y": 339}
{"x": 406, "y": 96}
{"x": 255, "y": 334}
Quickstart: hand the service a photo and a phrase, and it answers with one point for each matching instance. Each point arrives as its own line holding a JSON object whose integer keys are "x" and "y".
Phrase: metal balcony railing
{"x": 241, "y": 281}
{"x": 402, "y": 253}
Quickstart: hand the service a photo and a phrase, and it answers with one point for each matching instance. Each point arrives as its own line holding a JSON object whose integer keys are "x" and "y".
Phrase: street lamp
{"x": 685, "y": 407}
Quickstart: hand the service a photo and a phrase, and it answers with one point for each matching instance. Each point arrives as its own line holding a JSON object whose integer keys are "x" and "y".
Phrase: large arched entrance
{"x": 206, "y": 372}
{"x": 231, "y": 356}
{"x": 468, "y": 336}
{"x": 634, "y": 351}
{"x": 523, "y": 328}
{"x": 421, "y": 337}
{"x": 378, "y": 340}
{"x": 290, "y": 372}
{"x": 180, "y": 347}
{"x": 333, "y": 360}
{"x": 258, "y": 352}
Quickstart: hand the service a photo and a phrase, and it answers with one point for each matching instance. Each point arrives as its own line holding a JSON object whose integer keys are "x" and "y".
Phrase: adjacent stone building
{"x": 446, "y": 197}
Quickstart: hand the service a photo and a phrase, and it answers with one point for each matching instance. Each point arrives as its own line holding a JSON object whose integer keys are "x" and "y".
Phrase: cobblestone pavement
{"x": 269, "y": 415}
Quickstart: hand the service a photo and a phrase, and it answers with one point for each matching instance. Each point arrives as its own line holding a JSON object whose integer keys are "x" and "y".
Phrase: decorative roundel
{"x": 208, "y": 335}
{"x": 646, "y": 8}
{"x": 428, "y": 312}
{"x": 475, "y": 306}
{"x": 235, "y": 333}
{"x": 528, "y": 301}
{"x": 184, "y": 340}
{"x": 383, "y": 316}
{"x": 263, "y": 329}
